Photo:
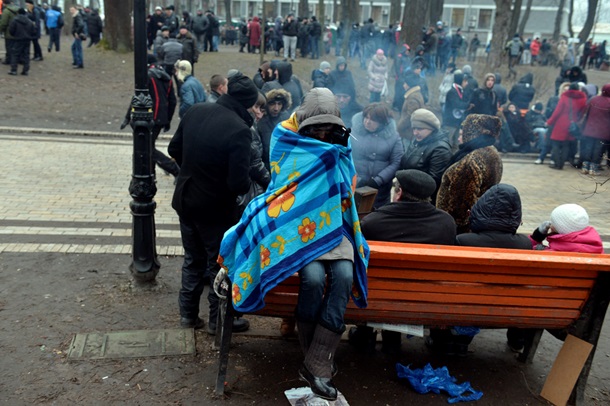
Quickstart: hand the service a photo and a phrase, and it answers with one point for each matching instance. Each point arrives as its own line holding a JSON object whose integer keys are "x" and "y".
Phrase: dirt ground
{"x": 45, "y": 299}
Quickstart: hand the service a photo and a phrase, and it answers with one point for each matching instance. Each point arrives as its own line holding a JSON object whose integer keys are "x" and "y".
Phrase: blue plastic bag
{"x": 433, "y": 380}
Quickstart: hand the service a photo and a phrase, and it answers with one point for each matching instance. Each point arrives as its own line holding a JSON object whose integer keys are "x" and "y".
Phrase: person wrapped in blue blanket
{"x": 305, "y": 222}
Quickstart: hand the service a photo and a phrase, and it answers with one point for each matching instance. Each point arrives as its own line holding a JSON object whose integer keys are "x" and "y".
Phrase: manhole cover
{"x": 132, "y": 344}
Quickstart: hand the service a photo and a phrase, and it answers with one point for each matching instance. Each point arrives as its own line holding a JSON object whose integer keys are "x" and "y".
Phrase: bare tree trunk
{"x": 570, "y": 29}
{"x": 411, "y": 23}
{"x": 349, "y": 15}
{"x": 189, "y": 6}
{"x": 500, "y": 32}
{"x": 395, "y": 15}
{"x": 586, "y": 29}
{"x": 335, "y": 17}
{"x": 117, "y": 30}
{"x": 526, "y": 16}
{"x": 303, "y": 9}
{"x": 558, "y": 20}
{"x": 228, "y": 16}
{"x": 436, "y": 11}
{"x": 514, "y": 20}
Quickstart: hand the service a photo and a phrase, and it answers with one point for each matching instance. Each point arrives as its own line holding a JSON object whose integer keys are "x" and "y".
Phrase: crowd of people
{"x": 22, "y": 29}
{"x": 254, "y": 200}
{"x": 274, "y": 195}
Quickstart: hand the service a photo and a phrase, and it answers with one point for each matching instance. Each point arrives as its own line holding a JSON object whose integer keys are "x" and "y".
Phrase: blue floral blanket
{"x": 306, "y": 211}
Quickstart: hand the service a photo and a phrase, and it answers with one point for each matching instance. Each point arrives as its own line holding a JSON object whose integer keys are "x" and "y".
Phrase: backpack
{"x": 60, "y": 21}
{"x": 515, "y": 48}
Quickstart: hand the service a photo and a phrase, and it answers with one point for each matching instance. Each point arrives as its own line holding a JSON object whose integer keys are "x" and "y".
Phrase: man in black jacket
{"x": 212, "y": 147}
{"x": 23, "y": 31}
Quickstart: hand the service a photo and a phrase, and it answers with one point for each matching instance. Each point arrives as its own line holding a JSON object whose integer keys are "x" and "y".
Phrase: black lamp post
{"x": 145, "y": 265}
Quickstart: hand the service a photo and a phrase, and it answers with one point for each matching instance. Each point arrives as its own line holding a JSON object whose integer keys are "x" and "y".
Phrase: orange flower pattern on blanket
{"x": 346, "y": 204}
{"x": 265, "y": 256}
{"x": 307, "y": 229}
{"x": 236, "y": 294}
{"x": 282, "y": 200}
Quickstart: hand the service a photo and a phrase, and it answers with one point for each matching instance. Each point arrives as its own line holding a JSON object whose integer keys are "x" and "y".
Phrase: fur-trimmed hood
{"x": 281, "y": 95}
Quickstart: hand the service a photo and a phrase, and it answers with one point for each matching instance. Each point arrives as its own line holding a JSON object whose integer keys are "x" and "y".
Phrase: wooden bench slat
{"x": 507, "y": 279}
{"x": 477, "y": 289}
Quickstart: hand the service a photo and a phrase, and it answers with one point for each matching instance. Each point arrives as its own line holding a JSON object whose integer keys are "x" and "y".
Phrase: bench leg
{"x": 224, "y": 331}
{"x": 588, "y": 327}
{"x": 532, "y": 339}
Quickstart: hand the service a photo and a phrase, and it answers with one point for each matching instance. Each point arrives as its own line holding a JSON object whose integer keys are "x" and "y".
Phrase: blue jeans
{"x": 215, "y": 42}
{"x": 314, "y": 45}
{"x": 328, "y": 309}
{"x": 77, "y": 52}
{"x": 543, "y": 143}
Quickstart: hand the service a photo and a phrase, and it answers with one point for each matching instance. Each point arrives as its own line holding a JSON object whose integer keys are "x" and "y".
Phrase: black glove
{"x": 541, "y": 232}
{"x": 166, "y": 128}
{"x": 371, "y": 183}
{"x": 125, "y": 123}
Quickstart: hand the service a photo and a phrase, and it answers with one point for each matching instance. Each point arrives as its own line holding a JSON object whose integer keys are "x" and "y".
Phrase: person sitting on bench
{"x": 410, "y": 218}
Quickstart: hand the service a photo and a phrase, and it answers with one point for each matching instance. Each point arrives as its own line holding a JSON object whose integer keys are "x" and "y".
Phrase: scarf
{"x": 474, "y": 144}
{"x": 306, "y": 211}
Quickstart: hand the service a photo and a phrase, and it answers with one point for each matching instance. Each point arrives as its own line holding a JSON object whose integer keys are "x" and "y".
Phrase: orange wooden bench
{"x": 490, "y": 288}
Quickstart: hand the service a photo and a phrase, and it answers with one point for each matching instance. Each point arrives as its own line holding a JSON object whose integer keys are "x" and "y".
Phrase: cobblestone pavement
{"x": 68, "y": 193}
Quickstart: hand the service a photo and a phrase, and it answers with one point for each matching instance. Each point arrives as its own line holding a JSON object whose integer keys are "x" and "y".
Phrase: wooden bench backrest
{"x": 444, "y": 286}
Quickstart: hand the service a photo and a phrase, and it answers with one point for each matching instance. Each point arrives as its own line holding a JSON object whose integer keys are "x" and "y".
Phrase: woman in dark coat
{"x": 475, "y": 168}
{"x": 519, "y": 129}
{"x": 429, "y": 150}
{"x": 96, "y": 26}
{"x": 596, "y": 131}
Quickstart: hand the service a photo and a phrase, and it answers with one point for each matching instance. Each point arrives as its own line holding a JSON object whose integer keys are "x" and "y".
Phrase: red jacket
{"x": 597, "y": 124}
{"x": 255, "y": 32}
{"x": 560, "y": 120}
{"x": 535, "y": 47}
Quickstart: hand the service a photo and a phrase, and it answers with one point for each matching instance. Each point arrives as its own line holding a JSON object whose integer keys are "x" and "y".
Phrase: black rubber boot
{"x": 317, "y": 368}
{"x": 305, "y": 331}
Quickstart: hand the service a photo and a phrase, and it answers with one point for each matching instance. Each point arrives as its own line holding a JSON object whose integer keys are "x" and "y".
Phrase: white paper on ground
{"x": 417, "y": 331}
{"x": 305, "y": 397}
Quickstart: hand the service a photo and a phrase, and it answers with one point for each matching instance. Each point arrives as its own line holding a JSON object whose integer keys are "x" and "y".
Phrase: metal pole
{"x": 145, "y": 265}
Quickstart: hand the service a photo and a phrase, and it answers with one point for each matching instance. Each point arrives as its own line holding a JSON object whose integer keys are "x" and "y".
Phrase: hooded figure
{"x": 289, "y": 83}
{"x": 341, "y": 75}
{"x": 476, "y": 167}
{"x": 274, "y": 115}
{"x": 312, "y": 174}
{"x": 523, "y": 92}
{"x": 500, "y": 90}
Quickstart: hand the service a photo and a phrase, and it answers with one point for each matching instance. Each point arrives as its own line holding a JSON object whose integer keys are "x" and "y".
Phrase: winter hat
{"x": 29, "y": 1}
{"x": 476, "y": 125}
{"x": 341, "y": 61}
{"x": 569, "y": 218}
{"x": 279, "y": 95}
{"x": 318, "y": 107}
{"x": 324, "y": 65}
{"x": 458, "y": 77}
{"x": 150, "y": 59}
{"x": 424, "y": 118}
{"x": 416, "y": 183}
{"x": 22, "y": 11}
{"x": 243, "y": 89}
{"x": 171, "y": 7}
{"x": 158, "y": 8}
{"x": 411, "y": 79}
{"x": 490, "y": 75}
{"x": 538, "y": 107}
{"x": 467, "y": 69}
{"x": 379, "y": 52}
{"x": 183, "y": 69}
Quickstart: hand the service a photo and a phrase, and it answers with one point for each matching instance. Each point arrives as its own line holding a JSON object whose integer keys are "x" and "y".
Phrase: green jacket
{"x": 9, "y": 13}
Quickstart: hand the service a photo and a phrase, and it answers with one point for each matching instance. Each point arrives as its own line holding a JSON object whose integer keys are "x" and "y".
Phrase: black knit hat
{"x": 416, "y": 183}
{"x": 243, "y": 89}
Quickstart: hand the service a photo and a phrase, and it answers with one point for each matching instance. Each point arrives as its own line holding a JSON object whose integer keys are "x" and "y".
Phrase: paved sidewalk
{"x": 69, "y": 193}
